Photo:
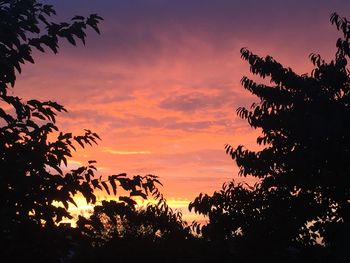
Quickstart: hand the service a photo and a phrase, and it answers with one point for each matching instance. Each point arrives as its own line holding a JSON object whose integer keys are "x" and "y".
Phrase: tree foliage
{"x": 155, "y": 231}
{"x": 35, "y": 187}
{"x": 302, "y": 198}
{"x": 125, "y": 218}
{"x": 26, "y": 25}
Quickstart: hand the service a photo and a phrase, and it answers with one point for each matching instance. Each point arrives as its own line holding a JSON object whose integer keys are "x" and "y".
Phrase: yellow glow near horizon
{"x": 84, "y": 209}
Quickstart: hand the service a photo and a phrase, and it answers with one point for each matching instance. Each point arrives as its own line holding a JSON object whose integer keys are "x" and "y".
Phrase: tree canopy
{"x": 35, "y": 187}
{"x": 302, "y": 198}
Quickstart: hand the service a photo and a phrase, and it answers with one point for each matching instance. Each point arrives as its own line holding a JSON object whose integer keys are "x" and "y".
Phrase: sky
{"x": 161, "y": 84}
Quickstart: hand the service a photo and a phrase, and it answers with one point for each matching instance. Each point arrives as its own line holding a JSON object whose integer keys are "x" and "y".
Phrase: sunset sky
{"x": 161, "y": 84}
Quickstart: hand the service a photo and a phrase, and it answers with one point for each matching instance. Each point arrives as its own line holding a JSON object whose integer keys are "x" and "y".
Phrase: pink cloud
{"x": 168, "y": 84}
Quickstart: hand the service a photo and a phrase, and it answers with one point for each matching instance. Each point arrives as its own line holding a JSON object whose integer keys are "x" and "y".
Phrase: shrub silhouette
{"x": 302, "y": 199}
{"x": 151, "y": 233}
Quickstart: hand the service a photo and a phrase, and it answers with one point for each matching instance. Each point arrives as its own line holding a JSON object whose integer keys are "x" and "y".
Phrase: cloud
{"x": 195, "y": 125}
{"x": 186, "y": 102}
{"x": 112, "y": 122}
{"x": 140, "y": 31}
{"x": 161, "y": 83}
{"x": 194, "y": 101}
{"x": 119, "y": 152}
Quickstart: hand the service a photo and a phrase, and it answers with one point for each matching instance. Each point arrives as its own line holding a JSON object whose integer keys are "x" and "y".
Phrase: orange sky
{"x": 162, "y": 82}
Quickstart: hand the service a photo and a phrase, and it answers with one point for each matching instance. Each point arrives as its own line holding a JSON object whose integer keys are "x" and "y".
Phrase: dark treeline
{"x": 298, "y": 212}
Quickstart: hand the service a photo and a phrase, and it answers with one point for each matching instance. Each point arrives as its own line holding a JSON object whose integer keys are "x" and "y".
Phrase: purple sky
{"x": 160, "y": 85}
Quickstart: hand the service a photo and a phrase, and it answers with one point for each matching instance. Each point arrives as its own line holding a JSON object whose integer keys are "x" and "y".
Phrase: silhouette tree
{"x": 34, "y": 190}
{"x": 302, "y": 198}
{"x": 123, "y": 220}
{"x": 154, "y": 230}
